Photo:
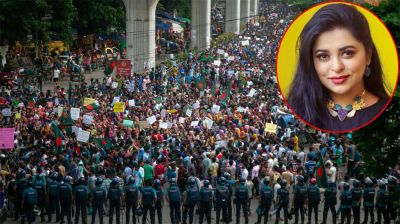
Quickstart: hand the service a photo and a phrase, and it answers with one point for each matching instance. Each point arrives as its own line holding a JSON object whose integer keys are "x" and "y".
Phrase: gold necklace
{"x": 337, "y": 110}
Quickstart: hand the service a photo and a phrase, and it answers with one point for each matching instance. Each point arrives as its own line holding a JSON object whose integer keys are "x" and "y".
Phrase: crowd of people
{"x": 203, "y": 134}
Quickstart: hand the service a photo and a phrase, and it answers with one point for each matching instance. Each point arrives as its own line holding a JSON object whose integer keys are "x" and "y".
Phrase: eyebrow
{"x": 340, "y": 49}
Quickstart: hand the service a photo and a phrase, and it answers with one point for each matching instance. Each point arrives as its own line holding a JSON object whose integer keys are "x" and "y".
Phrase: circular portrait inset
{"x": 337, "y": 67}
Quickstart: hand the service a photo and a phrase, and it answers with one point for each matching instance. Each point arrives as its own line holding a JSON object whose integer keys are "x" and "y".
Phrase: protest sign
{"x": 124, "y": 67}
{"x": 151, "y": 119}
{"x": 194, "y": 123}
{"x": 270, "y": 128}
{"x": 87, "y": 119}
{"x": 131, "y": 103}
{"x": 163, "y": 125}
{"x": 88, "y": 101}
{"x": 119, "y": 107}
{"x": 127, "y": 123}
{"x": 215, "y": 109}
{"x": 75, "y": 113}
{"x": 83, "y": 136}
{"x": 6, "y": 112}
{"x": 6, "y": 138}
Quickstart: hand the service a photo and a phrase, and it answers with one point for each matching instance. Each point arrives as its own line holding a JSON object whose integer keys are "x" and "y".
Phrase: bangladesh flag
{"x": 214, "y": 90}
{"x": 322, "y": 179}
{"x": 91, "y": 107}
{"x": 201, "y": 83}
{"x": 57, "y": 134}
{"x": 109, "y": 68}
{"x": 103, "y": 143}
{"x": 225, "y": 94}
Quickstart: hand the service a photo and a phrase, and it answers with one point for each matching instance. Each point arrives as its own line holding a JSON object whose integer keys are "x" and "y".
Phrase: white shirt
{"x": 332, "y": 171}
{"x": 255, "y": 171}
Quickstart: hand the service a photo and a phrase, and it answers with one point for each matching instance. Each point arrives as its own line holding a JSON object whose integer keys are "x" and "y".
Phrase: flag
{"x": 321, "y": 173}
{"x": 57, "y": 134}
{"x": 109, "y": 67}
{"x": 103, "y": 143}
{"x": 214, "y": 90}
{"x": 201, "y": 83}
{"x": 91, "y": 107}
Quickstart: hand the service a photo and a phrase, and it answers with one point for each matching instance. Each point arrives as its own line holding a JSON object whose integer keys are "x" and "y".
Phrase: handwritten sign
{"x": 83, "y": 136}
{"x": 119, "y": 107}
{"x": 151, "y": 119}
{"x": 87, "y": 119}
{"x": 270, "y": 128}
{"x": 127, "y": 123}
{"x": 131, "y": 103}
{"x": 6, "y": 112}
{"x": 6, "y": 138}
{"x": 194, "y": 123}
{"x": 75, "y": 113}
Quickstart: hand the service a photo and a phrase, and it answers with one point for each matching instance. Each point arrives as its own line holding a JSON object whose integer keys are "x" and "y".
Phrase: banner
{"x": 124, "y": 67}
{"x": 6, "y": 138}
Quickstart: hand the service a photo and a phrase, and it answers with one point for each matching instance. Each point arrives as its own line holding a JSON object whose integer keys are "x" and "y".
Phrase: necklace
{"x": 337, "y": 110}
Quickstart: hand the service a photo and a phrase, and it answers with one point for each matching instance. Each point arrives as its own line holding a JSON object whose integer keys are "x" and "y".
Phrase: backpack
{"x": 30, "y": 196}
{"x": 174, "y": 194}
{"x": 267, "y": 194}
{"x": 205, "y": 194}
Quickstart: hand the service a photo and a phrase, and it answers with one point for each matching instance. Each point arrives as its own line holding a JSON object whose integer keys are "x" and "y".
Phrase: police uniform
{"x": 267, "y": 195}
{"x": 29, "y": 197}
{"x": 174, "y": 198}
{"x": 242, "y": 198}
{"x": 149, "y": 196}
{"x": 21, "y": 186}
{"x": 283, "y": 203}
{"x": 192, "y": 198}
{"x": 66, "y": 201}
{"x": 356, "y": 194}
{"x": 222, "y": 197}
{"x": 131, "y": 200}
{"x": 114, "y": 195}
{"x": 345, "y": 205}
{"x": 314, "y": 197}
{"x": 54, "y": 199}
{"x": 206, "y": 199}
{"x": 330, "y": 202}
{"x": 99, "y": 195}
{"x": 369, "y": 198}
{"x": 159, "y": 203}
{"x": 300, "y": 194}
{"x": 81, "y": 197}
{"x": 41, "y": 196}
{"x": 382, "y": 198}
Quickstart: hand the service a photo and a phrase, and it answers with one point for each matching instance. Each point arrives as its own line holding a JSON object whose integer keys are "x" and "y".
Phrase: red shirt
{"x": 159, "y": 169}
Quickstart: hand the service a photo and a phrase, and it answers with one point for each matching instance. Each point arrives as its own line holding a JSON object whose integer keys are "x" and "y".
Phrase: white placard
{"x": 170, "y": 124}
{"x": 114, "y": 85}
{"x": 208, "y": 123}
{"x": 251, "y": 93}
{"x": 83, "y": 136}
{"x": 163, "y": 125}
{"x": 196, "y": 105}
{"x": 181, "y": 120}
{"x": 215, "y": 109}
{"x": 115, "y": 99}
{"x": 75, "y": 130}
{"x": 6, "y": 112}
{"x": 75, "y": 113}
{"x": 151, "y": 119}
{"x": 131, "y": 103}
{"x": 245, "y": 43}
{"x": 87, "y": 119}
{"x": 240, "y": 109}
{"x": 189, "y": 113}
{"x": 220, "y": 51}
{"x": 217, "y": 62}
{"x": 194, "y": 123}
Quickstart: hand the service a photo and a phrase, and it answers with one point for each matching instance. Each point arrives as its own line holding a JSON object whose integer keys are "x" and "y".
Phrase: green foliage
{"x": 182, "y": 7}
{"x": 379, "y": 142}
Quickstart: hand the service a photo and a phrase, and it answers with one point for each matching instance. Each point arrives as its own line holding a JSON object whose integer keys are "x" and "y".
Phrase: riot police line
{"x": 41, "y": 196}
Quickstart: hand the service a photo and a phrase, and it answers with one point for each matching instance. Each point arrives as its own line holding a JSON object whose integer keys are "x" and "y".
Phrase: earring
{"x": 367, "y": 72}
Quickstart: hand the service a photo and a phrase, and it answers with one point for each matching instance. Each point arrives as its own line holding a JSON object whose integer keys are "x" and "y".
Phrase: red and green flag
{"x": 57, "y": 134}
{"x": 91, "y": 107}
{"x": 104, "y": 143}
{"x": 214, "y": 90}
{"x": 109, "y": 67}
{"x": 201, "y": 83}
{"x": 321, "y": 176}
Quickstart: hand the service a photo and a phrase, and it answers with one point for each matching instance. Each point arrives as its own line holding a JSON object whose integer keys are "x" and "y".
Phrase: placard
{"x": 60, "y": 110}
{"x": 6, "y": 112}
{"x": 127, "y": 123}
{"x": 131, "y": 103}
{"x": 194, "y": 123}
{"x": 189, "y": 113}
{"x": 196, "y": 105}
{"x": 181, "y": 120}
{"x": 88, "y": 101}
{"x": 18, "y": 116}
{"x": 270, "y": 128}
{"x": 6, "y": 138}
{"x": 75, "y": 113}
{"x": 151, "y": 119}
{"x": 251, "y": 93}
{"x": 114, "y": 85}
{"x": 163, "y": 125}
{"x": 215, "y": 109}
{"x": 83, "y": 136}
{"x": 208, "y": 123}
{"x": 87, "y": 119}
{"x": 143, "y": 124}
{"x": 124, "y": 67}
{"x": 119, "y": 107}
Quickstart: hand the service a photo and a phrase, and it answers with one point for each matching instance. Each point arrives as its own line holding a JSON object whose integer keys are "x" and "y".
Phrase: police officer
{"x": 98, "y": 198}
{"x": 132, "y": 194}
{"x": 149, "y": 196}
{"x": 242, "y": 198}
{"x": 22, "y": 184}
{"x": 394, "y": 196}
{"x": 114, "y": 195}
{"x": 382, "y": 198}
{"x": 190, "y": 199}
{"x": 54, "y": 197}
{"x": 356, "y": 194}
{"x": 66, "y": 199}
{"x": 29, "y": 199}
{"x": 81, "y": 195}
{"x": 314, "y": 197}
{"x": 267, "y": 195}
{"x": 345, "y": 203}
{"x": 299, "y": 200}
{"x": 229, "y": 183}
{"x": 330, "y": 198}
{"x": 206, "y": 199}
{"x": 283, "y": 202}
{"x": 160, "y": 199}
{"x": 222, "y": 197}
{"x": 40, "y": 187}
{"x": 369, "y": 198}
{"x": 173, "y": 197}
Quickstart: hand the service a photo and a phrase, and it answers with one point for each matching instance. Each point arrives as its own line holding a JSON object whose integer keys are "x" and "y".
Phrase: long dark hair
{"x": 307, "y": 96}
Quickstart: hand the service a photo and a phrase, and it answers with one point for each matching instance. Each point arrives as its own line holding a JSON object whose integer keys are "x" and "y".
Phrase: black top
{"x": 361, "y": 117}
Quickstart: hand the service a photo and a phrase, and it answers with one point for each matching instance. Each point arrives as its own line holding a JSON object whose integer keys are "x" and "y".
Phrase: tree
{"x": 64, "y": 12}
{"x": 182, "y": 7}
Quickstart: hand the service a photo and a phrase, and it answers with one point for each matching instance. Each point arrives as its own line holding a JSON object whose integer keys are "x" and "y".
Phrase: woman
{"x": 338, "y": 84}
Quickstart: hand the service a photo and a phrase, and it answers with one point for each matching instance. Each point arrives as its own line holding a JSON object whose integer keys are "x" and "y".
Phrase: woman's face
{"x": 340, "y": 61}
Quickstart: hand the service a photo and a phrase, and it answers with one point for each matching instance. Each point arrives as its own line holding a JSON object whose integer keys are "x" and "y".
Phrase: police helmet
{"x": 382, "y": 184}
{"x": 313, "y": 181}
{"x": 99, "y": 181}
{"x": 206, "y": 183}
{"x": 356, "y": 183}
{"x": 283, "y": 183}
{"x": 81, "y": 181}
{"x": 346, "y": 186}
{"x": 139, "y": 211}
{"x": 114, "y": 181}
{"x": 192, "y": 181}
{"x": 157, "y": 182}
{"x": 300, "y": 179}
{"x": 227, "y": 175}
{"x": 267, "y": 179}
{"x": 368, "y": 181}
{"x": 53, "y": 176}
